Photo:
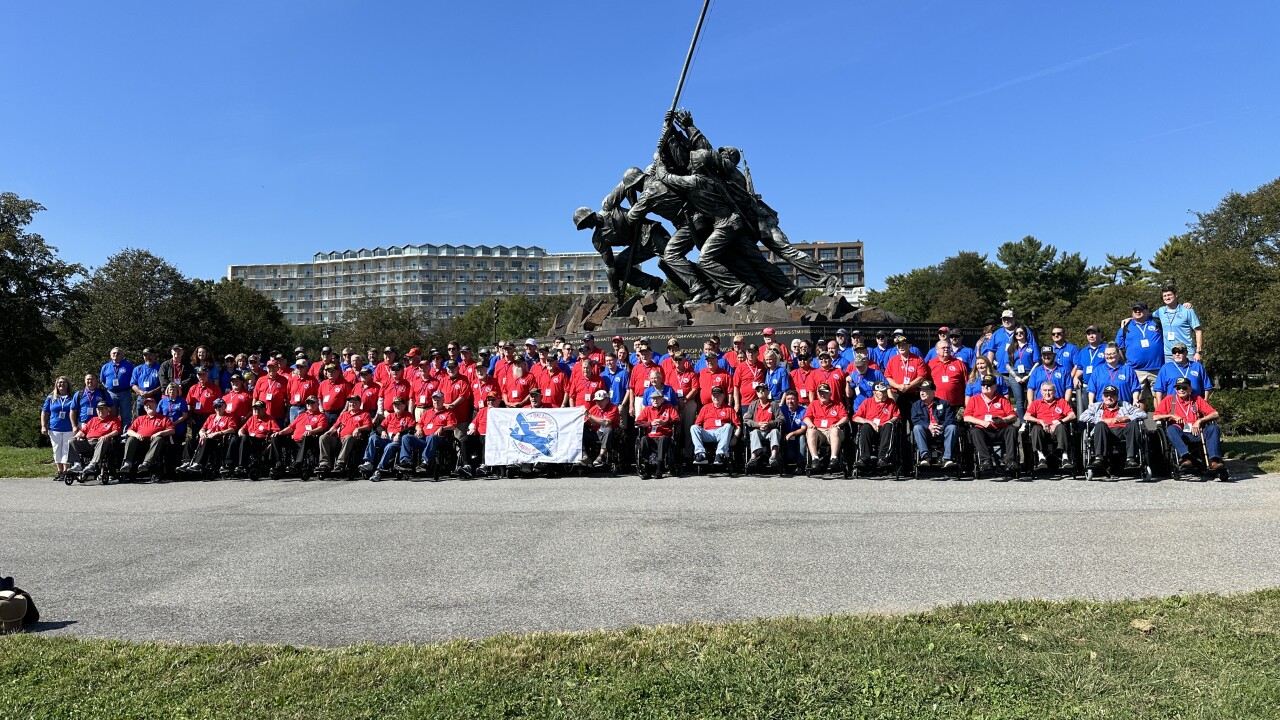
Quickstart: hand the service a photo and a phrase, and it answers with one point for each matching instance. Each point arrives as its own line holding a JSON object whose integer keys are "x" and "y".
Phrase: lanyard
{"x": 1093, "y": 354}
{"x": 1188, "y": 410}
{"x": 1179, "y": 369}
{"x": 1142, "y": 328}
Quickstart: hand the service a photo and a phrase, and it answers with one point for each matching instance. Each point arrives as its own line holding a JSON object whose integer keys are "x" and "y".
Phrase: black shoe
{"x": 1097, "y": 463}
{"x": 884, "y": 462}
{"x": 1043, "y": 464}
{"x": 923, "y": 461}
{"x": 750, "y": 466}
{"x": 1068, "y": 465}
{"x": 1131, "y": 464}
{"x": 837, "y": 467}
{"x": 645, "y": 474}
{"x": 406, "y": 465}
{"x": 948, "y": 464}
{"x": 700, "y": 459}
{"x": 774, "y": 463}
{"x": 366, "y": 467}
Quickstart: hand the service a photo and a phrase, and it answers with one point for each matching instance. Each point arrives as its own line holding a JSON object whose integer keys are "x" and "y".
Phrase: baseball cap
{"x": 1179, "y": 347}
{"x": 1092, "y": 329}
{"x": 201, "y": 369}
{"x": 659, "y": 397}
{"x": 767, "y": 331}
{"x": 717, "y": 390}
{"x": 236, "y": 376}
{"x": 105, "y": 404}
{"x": 388, "y": 349}
{"x": 312, "y": 399}
{"x": 599, "y": 395}
{"x": 1140, "y": 305}
{"x": 1006, "y": 314}
{"x": 437, "y": 394}
{"x": 1182, "y": 383}
{"x": 366, "y": 371}
{"x": 299, "y": 349}
{"x": 855, "y": 333}
{"x": 396, "y": 366}
{"x": 1047, "y": 349}
{"x": 531, "y": 341}
{"x": 859, "y": 359}
{"x": 535, "y": 391}
{"x": 739, "y": 338}
{"x": 399, "y": 401}
{"x": 151, "y": 351}
{"x": 588, "y": 336}
{"x": 989, "y": 380}
{"x": 944, "y": 329}
{"x": 842, "y": 331}
{"x": 301, "y": 364}
{"x": 823, "y": 387}
{"x": 413, "y": 353}
{"x": 259, "y": 404}
{"x": 326, "y": 349}
{"x": 219, "y": 403}
{"x": 617, "y": 338}
{"x": 150, "y": 401}
{"x": 761, "y": 386}
{"x": 353, "y": 398}
{"x": 899, "y": 337}
{"x": 1111, "y": 390}
{"x": 926, "y": 385}
{"x": 880, "y": 387}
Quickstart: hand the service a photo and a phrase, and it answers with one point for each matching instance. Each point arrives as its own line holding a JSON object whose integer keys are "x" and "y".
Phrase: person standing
{"x": 145, "y": 380}
{"x": 1180, "y": 324}
{"x": 115, "y": 376}
{"x": 86, "y": 401}
{"x": 176, "y": 369}
{"x": 55, "y": 421}
{"x": 1139, "y": 338}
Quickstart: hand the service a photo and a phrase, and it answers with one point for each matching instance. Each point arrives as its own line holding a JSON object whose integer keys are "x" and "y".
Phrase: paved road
{"x": 332, "y": 563}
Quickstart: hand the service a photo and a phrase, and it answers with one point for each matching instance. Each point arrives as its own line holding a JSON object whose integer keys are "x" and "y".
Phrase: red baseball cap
{"x": 413, "y": 352}
{"x": 767, "y": 331}
{"x": 944, "y": 328}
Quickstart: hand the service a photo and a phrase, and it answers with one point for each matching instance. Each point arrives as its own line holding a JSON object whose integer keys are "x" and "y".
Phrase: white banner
{"x": 528, "y": 435}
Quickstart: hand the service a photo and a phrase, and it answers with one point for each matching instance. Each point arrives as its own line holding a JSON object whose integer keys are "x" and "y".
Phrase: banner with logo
{"x": 528, "y": 435}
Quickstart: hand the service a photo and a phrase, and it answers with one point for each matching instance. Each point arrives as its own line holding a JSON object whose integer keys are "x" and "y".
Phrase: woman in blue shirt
{"x": 1022, "y": 357}
{"x": 55, "y": 421}
{"x": 981, "y": 368}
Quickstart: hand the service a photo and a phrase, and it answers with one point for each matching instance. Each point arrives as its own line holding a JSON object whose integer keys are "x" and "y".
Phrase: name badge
{"x": 680, "y": 392}
{"x": 326, "y": 399}
{"x": 1171, "y": 336}
{"x": 297, "y": 398}
{"x": 515, "y": 393}
{"x": 1021, "y": 367}
{"x": 268, "y": 397}
{"x": 946, "y": 378}
{"x": 825, "y": 423}
{"x": 146, "y": 385}
{"x": 1088, "y": 370}
{"x": 804, "y": 393}
{"x": 199, "y": 404}
{"x": 1145, "y": 342}
{"x": 307, "y": 426}
{"x": 987, "y": 417}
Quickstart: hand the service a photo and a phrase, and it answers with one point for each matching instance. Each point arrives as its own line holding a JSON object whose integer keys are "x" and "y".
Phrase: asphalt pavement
{"x": 338, "y": 562}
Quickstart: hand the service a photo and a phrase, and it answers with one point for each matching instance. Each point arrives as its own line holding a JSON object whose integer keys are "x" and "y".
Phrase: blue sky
{"x": 219, "y": 133}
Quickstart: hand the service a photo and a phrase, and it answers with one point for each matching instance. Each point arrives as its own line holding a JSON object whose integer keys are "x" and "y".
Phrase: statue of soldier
{"x": 610, "y": 229}
{"x": 771, "y": 236}
{"x": 661, "y": 200}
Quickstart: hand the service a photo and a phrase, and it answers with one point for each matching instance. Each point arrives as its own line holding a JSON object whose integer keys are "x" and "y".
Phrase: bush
{"x": 1248, "y": 412}
{"x": 21, "y": 428}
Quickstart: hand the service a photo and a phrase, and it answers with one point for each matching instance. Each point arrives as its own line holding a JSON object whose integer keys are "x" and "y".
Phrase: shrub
{"x": 1248, "y": 412}
{"x": 21, "y": 428}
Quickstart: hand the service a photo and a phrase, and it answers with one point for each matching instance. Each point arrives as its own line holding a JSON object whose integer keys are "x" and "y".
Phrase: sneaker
{"x": 126, "y": 468}
{"x": 837, "y": 466}
{"x": 366, "y": 467}
{"x": 948, "y": 464}
{"x": 1068, "y": 464}
{"x": 751, "y": 465}
{"x": 77, "y": 468}
{"x": 645, "y": 473}
{"x": 923, "y": 461}
{"x": 422, "y": 469}
{"x": 721, "y": 459}
{"x": 465, "y": 471}
{"x": 322, "y": 467}
{"x": 1043, "y": 464}
{"x": 700, "y": 459}
{"x": 598, "y": 462}
{"x": 774, "y": 463}
{"x": 376, "y": 476}
{"x": 339, "y": 468}
{"x": 884, "y": 462}
{"x": 406, "y": 465}
{"x": 90, "y": 469}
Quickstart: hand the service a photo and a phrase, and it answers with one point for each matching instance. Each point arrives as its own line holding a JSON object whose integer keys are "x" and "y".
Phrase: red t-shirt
{"x": 515, "y": 390}
{"x": 835, "y": 378}
{"x": 431, "y": 421}
{"x": 661, "y": 422}
{"x": 391, "y": 391}
{"x": 480, "y": 389}
{"x": 904, "y": 369}
{"x": 1184, "y": 412}
{"x": 582, "y": 394}
{"x": 610, "y": 414}
{"x": 455, "y": 389}
{"x": 481, "y": 420}
{"x": 800, "y": 381}
{"x": 396, "y": 423}
{"x": 146, "y": 426}
{"x": 640, "y": 377}
{"x": 995, "y": 409}
{"x": 745, "y": 377}
{"x": 684, "y": 383}
{"x": 97, "y": 427}
{"x": 369, "y": 396}
{"x": 239, "y": 405}
{"x": 220, "y": 423}
{"x": 711, "y": 417}
{"x": 348, "y": 422}
{"x": 949, "y": 378}
{"x": 260, "y": 429}
{"x": 271, "y": 392}
{"x": 826, "y": 415}
{"x": 306, "y": 422}
{"x": 200, "y": 398}
{"x": 764, "y": 413}
{"x": 421, "y": 385}
{"x": 301, "y": 388}
{"x": 554, "y": 384}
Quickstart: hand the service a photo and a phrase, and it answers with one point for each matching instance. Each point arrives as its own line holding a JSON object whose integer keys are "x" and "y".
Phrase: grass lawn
{"x": 1181, "y": 657}
{"x": 26, "y": 462}
{"x": 1261, "y": 450}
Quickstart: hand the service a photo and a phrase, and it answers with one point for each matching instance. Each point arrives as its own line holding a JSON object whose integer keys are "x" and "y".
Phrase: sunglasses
{"x": 1057, "y": 334}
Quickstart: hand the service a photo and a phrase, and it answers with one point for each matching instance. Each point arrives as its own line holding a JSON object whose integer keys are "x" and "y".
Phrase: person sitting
{"x": 763, "y": 421}
{"x": 96, "y": 440}
{"x": 385, "y": 444}
{"x": 300, "y": 437}
{"x": 602, "y": 417}
{"x": 436, "y": 422}
{"x": 473, "y": 439}
{"x": 793, "y": 428}
{"x": 824, "y": 421}
{"x": 212, "y": 439}
{"x": 877, "y": 418}
{"x": 990, "y": 417}
{"x": 147, "y": 436}
{"x": 349, "y": 431}
{"x": 657, "y": 424}
{"x": 1114, "y": 421}
{"x": 717, "y": 423}
{"x": 253, "y": 439}
{"x": 1190, "y": 420}
{"x": 1050, "y": 415}
{"x": 933, "y": 421}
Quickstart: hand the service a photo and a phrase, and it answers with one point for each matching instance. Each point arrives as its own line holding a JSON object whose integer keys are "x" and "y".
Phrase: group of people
{"x": 789, "y": 406}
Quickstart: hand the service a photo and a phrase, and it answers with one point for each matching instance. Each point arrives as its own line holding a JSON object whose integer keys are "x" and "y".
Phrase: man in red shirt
{"x": 949, "y": 375}
{"x": 904, "y": 370}
{"x": 483, "y": 384}
{"x": 1113, "y": 421}
{"x": 200, "y": 405}
{"x": 382, "y": 371}
{"x": 384, "y": 444}
{"x": 1190, "y": 420}
{"x": 253, "y": 439}
{"x": 516, "y": 384}
{"x": 96, "y": 440}
{"x": 473, "y": 438}
{"x": 771, "y": 343}
{"x": 877, "y": 417}
{"x": 990, "y": 416}
{"x": 369, "y": 392}
{"x": 347, "y": 435}
{"x": 1050, "y": 416}
{"x": 550, "y": 379}
{"x": 710, "y": 377}
{"x": 746, "y": 375}
{"x": 212, "y": 440}
{"x": 394, "y": 387}
{"x": 300, "y": 437}
{"x": 802, "y": 378}
{"x": 716, "y": 422}
{"x": 824, "y": 419}
{"x": 583, "y": 388}
{"x": 601, "y": 418}
{"x": 239, "y": 401}
{"x": 763, "y": 422}
{"x": 301, "y": 387}
{"x": 271, "y": 391}
{"x": 640, "y": 376}
{"x": 148, "y": 435}
{"x": 456, "y": 389}
{"x": 657, "y": 423}
{"x": 435, "y": 425}
{"x": 830, "y": 375}
{"x": 333, "y": 391}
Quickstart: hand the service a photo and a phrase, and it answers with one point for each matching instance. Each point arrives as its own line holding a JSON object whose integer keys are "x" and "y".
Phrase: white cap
{"x": 532, "y": 342}
{"x": 1006, "y": 313}
{"x": 600, "y": 395}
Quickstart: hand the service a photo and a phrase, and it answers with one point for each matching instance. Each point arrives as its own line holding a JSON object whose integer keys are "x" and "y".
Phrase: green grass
{"x": 1181, "y": 657}
{"x": 1261, "y": 450}
{"x": 26, "y": 462}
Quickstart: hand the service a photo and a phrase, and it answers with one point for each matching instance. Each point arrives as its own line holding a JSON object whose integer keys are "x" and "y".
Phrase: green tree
{"x": 134, "y": 300}
{"x": 35, "y": 289}
{"x": 372, "y": 324}
{"x": 1041, "y": 284}
{"x": 962, "y": 290}
{"x": 1123, "y": 270}
{"x": 249, "y": 319}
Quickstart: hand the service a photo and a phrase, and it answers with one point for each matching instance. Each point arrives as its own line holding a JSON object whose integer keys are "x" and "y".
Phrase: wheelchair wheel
{"x": 68, "y": 477}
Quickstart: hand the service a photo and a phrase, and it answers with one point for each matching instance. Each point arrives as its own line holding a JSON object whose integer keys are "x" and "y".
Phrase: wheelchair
{"x": 591, "y": 450}
{"x": 1008, "y": 461}
{"x": 1054, "y": 463}
{"x": 107, "y": 474}
{"x": 1199, "y": 470}
{"x": 855, "y": 465}
{"x": 305, "y": 469}
{"x": 934, "y": 471}
{"x": 443, "y": 465}
{"x": 668, "y": 461}
{"x": 1113, "y": 465}
{"x": 734, "y": 458}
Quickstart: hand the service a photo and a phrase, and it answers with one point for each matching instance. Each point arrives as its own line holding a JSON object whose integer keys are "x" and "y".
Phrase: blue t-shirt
{"x": 618, "y": 382}
{"x": 1141, "y": 344}
{"x": 146, "y": 377}
{"x": 975, "y": 387}
{"x": 667, "y": 392}
{"x": 1088, "y": 359}
{"x": 792, "y": 421}
{"x": 59, "y": 408}
{"x": 115, "y": 378}
{"x": 963, "y": 354}
{"x": 1124, "y": 377}
{"x": 999, "y": 344}
{"x": 1059, "y": 376}
{"x": 173, "y": 409}
{"x": 1170, "y": 373}
{"x": 1179, "y": 326}
{"x": 86, "y": 403}
{"x": 778, "y": 381}
{"x": 701, "y": 363}
{"x": 1066, "y": 356}
{"x": 859, "y": 387}
{"x": 1022, "y": 359}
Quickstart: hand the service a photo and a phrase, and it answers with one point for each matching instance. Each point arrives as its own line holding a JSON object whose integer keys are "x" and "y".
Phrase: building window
{"x": 826, "y": 254}
{"x": 853, "y": 278}
{"x": 828, "y": 266}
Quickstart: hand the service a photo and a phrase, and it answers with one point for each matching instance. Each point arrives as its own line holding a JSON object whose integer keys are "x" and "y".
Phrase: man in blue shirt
{"x": 145, "y": 381}
{"x": 617, "y": 379}
{"x": 793, "y": 427}
{"x": 861, "y": 381}
{"x": 1048, "y": 370}
{"x": 1181, "y": 367}
{"x": 844, "y": 347}
{"x": 115, "y": 377}
{"x": 1063, "y": 350}
{"x": 86, "y": 401}
{"x": 1112, "y": 372}
{"x": 1087, "y": 359}
{"x": 958, "y": 349}
{"x": 1180, "y": 324}
{"x": 1139, "y": 338}
{"x": 997, "y": 349}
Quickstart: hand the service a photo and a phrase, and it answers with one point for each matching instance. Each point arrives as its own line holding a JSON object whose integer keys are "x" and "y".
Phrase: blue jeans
{"x": 720, "y": 436}
{"x": 123, "y": 400}
{"x": 1016, "y": 393}
{"x": 380, "y": 451}
{"x": 295, "y": 411}
{"x": 410, "y": 443}
{"x": 922, "y": 436}
{"x": 1209, "y": 434}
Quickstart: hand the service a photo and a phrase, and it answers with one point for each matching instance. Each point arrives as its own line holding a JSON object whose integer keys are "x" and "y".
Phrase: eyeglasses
{"x": 1057, "y": 334}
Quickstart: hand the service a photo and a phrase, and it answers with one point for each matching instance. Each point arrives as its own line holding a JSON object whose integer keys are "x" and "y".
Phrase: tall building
{"x": 444, "y": 281}
{"x": 844, "y": 259}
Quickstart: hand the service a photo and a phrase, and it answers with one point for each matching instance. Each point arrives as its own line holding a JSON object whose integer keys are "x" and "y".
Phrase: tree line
{"x": 1227, "y": 265}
